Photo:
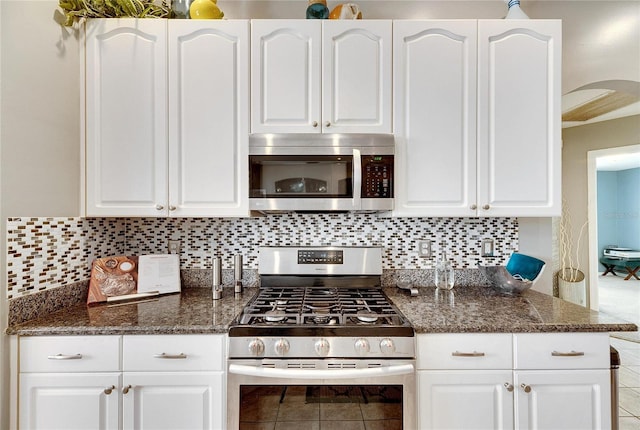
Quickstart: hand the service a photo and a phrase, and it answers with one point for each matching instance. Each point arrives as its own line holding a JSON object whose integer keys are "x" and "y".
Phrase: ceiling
{"x": 600, "y": 101}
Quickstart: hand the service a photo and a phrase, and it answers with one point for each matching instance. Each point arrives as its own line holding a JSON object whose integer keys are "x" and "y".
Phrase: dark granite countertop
{"x": 467, "y": 309}
{"x": 483, "y": 310}
{"x": 189, "y": 312}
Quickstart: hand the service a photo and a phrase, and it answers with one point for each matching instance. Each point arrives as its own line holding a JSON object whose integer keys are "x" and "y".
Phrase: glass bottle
{"x": 317, "y": 9}
{"x": 444, "y": 275}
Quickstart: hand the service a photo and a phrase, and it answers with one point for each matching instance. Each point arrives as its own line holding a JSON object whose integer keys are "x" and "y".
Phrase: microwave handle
{"x": 357, "y": 179}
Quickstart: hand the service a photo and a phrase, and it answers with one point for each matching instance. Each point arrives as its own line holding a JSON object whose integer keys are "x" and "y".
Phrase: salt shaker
{"x": 217, "y": 278}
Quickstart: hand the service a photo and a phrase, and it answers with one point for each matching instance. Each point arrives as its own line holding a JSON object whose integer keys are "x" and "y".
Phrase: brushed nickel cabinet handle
{"x": 526, "y": 388}
{"x": 180, "y": 356}
{"x": 508, "y": 386}
{"x": 65, "y": 357}
{"x": 314, "y": 124}
{"x": 126, "y": 389}
{"x": 327, "y": 124}
{"x": 159, "y": 207}
{"x": 172, "y": 208}
{"x": 486, "y": 207}
{"x": 567, "y": 354}
{"x": 109, "y": 390}
{"x": 467, "y": 354}
{"x": 473, "y": 207}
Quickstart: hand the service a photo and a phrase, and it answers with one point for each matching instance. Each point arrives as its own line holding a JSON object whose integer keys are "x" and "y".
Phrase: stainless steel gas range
{"x": 320, "y": 333}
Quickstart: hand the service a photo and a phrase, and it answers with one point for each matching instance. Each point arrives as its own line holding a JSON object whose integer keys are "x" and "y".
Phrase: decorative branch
{"x": 77, "y": 10}
{"x": 566, "y": 242}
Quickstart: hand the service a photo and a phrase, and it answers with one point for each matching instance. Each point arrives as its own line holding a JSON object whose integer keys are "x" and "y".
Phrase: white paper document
{"x": 159, "y": 273}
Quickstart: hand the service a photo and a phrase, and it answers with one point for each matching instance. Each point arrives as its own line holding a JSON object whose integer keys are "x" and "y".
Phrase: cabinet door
{"x": 285, "y": 76}
{"x": 435, "y": 117}
{"x": 208, "y": 118}
{"x": 126, "y": 117}
{"x": 563, "y": 399}
{"x": 173, "y": 401}
{"x": 69, "y": 401}
{"x": 356, "y": 76}
{"x": 519, "y": 117}
{"x": 465, "y": 400}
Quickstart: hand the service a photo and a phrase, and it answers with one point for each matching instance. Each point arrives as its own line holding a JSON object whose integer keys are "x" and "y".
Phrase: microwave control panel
{"x": 377, "y": 176}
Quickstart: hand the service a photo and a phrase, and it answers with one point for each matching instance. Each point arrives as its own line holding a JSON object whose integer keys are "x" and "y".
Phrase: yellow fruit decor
{"x": 76, "y": 10}
{"x": 205, "y": 9}
{"x": 346, "y": 11}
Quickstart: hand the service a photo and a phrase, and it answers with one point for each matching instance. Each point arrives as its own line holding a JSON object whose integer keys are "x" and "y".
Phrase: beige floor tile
{"x": 630, "y": 400}
{"x": 381, "y": 411}
{"x": 624, "y": 413}
{"x": 630, "y": 423}
{"x": 628, "y": 377}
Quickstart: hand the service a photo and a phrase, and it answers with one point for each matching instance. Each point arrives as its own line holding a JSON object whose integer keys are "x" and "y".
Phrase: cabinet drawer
{"x": 464, "y": 351}
{"x": 70, "y": 354}
{"x": 561, "y": 350}
{"x": 173, "y": 352}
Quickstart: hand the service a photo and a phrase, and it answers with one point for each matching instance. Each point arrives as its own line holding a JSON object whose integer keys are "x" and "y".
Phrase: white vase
{"x": 514, "y": 10}
{"x": 571, "y": 286}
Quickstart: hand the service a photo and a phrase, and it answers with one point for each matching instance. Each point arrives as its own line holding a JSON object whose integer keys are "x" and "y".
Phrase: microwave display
{"x": 377, "y": 176}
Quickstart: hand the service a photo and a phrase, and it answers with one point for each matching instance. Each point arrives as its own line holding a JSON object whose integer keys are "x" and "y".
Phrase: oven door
{"x": 263, "y": 393}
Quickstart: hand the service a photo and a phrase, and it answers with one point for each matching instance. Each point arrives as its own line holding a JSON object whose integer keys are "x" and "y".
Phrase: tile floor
{"x": 622, "y": 299}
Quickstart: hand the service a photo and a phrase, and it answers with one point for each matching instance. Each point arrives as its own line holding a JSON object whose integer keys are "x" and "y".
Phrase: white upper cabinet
{"x": 477, "y": 117}
{"x": 208, "y": 117}
{"x": 519, "y": 126}
{"x": 167, "y": 117}
{"x": 126, "y": 117}
{"x": 435, "y": 117}
{"x": 316, "y": 76}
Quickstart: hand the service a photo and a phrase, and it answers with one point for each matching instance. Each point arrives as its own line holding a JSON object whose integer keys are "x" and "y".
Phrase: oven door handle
{"x": 269, "y": 372}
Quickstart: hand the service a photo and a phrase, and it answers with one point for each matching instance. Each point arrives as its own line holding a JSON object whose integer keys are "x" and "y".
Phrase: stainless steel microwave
{"x": 321, "y": 172}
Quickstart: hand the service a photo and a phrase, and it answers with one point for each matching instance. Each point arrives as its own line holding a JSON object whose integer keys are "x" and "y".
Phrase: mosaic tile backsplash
{"x": 45, "y": 253}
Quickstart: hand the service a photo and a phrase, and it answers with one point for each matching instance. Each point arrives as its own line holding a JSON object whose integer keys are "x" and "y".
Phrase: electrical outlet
{"x": 174, "y": 247}
{"x": 424, "y": 248}
{"x": 487, "y": 248}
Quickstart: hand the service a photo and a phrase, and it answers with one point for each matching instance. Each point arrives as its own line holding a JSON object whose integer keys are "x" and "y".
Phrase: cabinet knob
{"x": 126, "y": 389}
{"x": 486, "y": 207}
{"x": 172, "y": 208}
{"x": 314, "y": 124}
{"x": 473, "y": 207}
{"x": 327, "y": 124}
{"x": 109, "y": 390}
{"x": 508, "y": 386}
{"x": 526, "y": 388}
{"x": 159, "y": 207}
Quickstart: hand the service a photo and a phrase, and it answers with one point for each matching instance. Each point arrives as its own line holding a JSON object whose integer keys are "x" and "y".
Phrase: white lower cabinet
{"x": 522, "y": 381}
{"x": 69, "y": 401}
{"x": 122, "y": 382}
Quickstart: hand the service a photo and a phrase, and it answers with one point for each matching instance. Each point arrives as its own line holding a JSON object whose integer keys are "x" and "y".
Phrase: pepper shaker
{"x": 217, "y": 278}
{"x": 237, "y": 272}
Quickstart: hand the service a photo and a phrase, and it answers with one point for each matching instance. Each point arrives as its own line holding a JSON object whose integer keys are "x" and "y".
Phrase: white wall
{"x": 39, "y": 134}
{"x": 577, "y": 142}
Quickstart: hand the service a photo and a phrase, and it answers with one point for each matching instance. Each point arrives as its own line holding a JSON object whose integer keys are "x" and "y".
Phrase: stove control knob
{"x": 322, "y": 347}
{"x": 282, "y": 346}
{"x": 362, "y": 346}
{"x": 256, "y": 347}
{"x": 387, "y": 347}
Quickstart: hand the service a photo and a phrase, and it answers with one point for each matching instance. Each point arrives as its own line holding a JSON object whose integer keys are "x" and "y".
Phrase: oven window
{"x": 292, "y": 176}
{"x": 321, "y": 407}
